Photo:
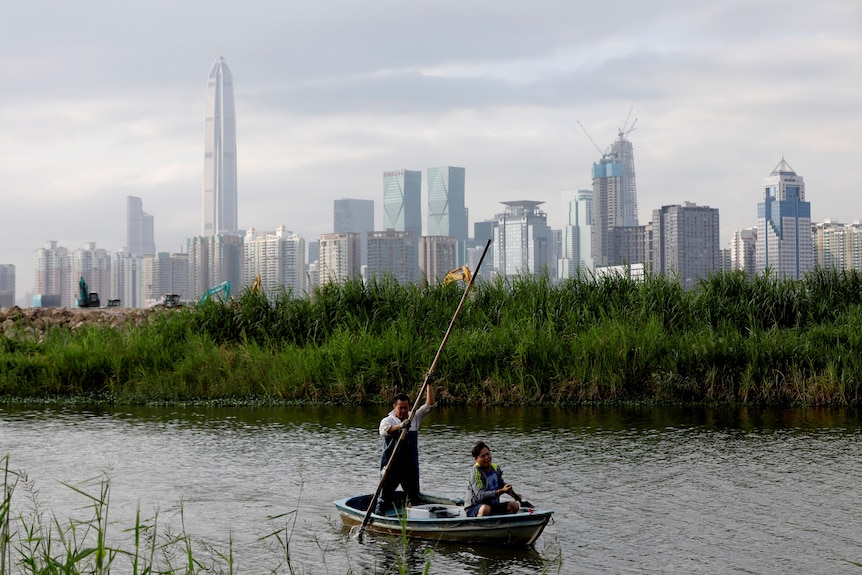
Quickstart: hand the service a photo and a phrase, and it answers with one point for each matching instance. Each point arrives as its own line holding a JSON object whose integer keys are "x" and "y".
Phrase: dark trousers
{"x": 402, "y": 473}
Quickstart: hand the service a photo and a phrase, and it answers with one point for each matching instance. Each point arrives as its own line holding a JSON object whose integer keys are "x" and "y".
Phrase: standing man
{"x": 404, "y": 470}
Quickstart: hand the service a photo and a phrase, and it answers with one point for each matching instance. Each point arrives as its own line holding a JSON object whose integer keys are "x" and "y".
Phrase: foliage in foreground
{"x": 525, "y": 341}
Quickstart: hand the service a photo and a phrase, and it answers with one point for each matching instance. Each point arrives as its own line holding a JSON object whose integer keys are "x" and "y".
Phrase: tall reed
{"x": 523, "y": 340}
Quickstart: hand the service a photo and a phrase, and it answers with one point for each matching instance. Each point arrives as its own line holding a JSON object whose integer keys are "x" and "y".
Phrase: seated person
{"x": 486, "y": 485}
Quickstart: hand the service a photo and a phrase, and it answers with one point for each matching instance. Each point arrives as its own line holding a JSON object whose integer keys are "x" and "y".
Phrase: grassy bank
{"x": 527, "y": 341}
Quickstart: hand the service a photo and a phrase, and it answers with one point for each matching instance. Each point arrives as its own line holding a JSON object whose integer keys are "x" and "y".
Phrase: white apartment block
{"x": 94, "y": 265}
{"x": 743, "y": 248}
{"x": 522, "y": 240}
{"x": 278, "y": 258}
{"x": 51, "y": 285}
{"x": 339, "y": 257}
{"x": 126, "y": 279}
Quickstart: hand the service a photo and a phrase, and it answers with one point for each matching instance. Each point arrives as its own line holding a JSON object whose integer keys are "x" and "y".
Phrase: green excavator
{"x": 87, "y": 298}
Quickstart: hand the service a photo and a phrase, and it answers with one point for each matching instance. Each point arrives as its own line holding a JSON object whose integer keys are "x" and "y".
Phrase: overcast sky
{"x": 100, "y": 100}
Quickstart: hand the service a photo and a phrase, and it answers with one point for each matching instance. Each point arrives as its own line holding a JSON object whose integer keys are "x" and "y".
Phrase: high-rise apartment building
{"x": 357, "y": 216}
{"x": 7, "y": 285}
{"x": 437, "y": 257}
{"x": 685, "y": 243}
{"x": 278, "y": 258}
{"x": 94, "y": 265}
{"x": 214, "y": 260}
{"x": 51, "y": 281}
{"x": 522, "y": 240}
{"x": 743, "y": 248}
{"x": 784, "y": 242}
{"x": 126, "y": 279}
{"x": 165, "y": 274}
{"x": 338, "y": 257}
{"x": 140, "y": 234}
{"x": 402, "y": 201}
{"x": 220, "y": 183}
{"x": 393, "y": 253}
{"x": 576, "y": 241}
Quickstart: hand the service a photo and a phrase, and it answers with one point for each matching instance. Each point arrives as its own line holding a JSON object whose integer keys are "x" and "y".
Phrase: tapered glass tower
{"x": 220, "y": 205}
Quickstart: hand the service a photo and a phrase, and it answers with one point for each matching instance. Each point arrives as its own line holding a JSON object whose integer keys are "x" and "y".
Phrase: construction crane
{"x": 590, "y": 138}
{"x": 626, "y": 129}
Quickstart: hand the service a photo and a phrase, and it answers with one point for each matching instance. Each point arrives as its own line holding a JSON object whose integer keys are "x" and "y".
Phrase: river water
{"x": 634, "y": 490}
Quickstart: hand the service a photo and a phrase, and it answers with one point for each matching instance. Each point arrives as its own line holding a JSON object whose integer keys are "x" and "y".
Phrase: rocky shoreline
{"x": 33, "y": 323}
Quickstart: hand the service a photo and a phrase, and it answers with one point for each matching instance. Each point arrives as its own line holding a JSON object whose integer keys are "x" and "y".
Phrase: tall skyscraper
{"x": 614, "y": 203}
{"x": 402, "y": 201}
{"x": 355, "y": 216}
{"x": 784, "y": 242}
{"x": 623, "y": 151}
{"x": 220, "y": 197}
{"x": 576, "y": 248}
{"x": 447, "y": 215}
{"x": 685, "y": 243}
{"x": 139, "y": 228}
{"x": 522, "y": 240}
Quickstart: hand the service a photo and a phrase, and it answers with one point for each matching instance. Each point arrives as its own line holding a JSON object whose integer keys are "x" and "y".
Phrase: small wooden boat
{"x": 444, "y": 519}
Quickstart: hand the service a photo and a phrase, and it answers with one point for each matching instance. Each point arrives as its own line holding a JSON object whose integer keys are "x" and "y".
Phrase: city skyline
{"x": 95, "y": 110}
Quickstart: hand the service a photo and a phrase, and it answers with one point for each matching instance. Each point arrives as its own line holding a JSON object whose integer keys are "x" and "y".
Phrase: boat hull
{"x": 443, "y": 519}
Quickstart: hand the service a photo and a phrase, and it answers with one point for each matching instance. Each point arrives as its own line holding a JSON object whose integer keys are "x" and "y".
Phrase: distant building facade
{"x": 140, "y": 229}
{"x": 51, "y": 281}
{"x": 338, "y": 257}
{"x": 214, "y": 260}
{"x": 127, "y": 279}
{"x": 278, "y": 258}
{"x": 576, "y": 234}
{"x": 437, "y": 257}
{"x": 522, "y": 240}
{"x": 784, "y": 241}
{"x": 743, "y": 251}
{"x": 402, "y": 201}
{"x": 685, "y": 240}
{"x": 7, "y": 285}
{"x": 94, "y": 265}
{"x": 357, "y": 216}
{"x": 394, "y": 253}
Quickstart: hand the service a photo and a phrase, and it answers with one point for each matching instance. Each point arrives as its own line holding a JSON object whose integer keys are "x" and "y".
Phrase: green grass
{"x": 526, "y": 341}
